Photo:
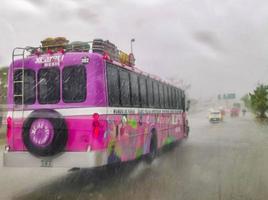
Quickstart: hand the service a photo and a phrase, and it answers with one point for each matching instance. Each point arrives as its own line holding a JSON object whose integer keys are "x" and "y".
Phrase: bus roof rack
{"x": 100, "y": 46}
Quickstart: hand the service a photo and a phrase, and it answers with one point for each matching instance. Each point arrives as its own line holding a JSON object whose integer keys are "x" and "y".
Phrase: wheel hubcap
{"x": 41, "y": 133}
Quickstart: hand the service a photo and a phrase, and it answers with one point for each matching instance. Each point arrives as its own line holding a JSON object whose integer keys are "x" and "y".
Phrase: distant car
{"x": 222, "y": 112}
{"x": 215, "y": 116}
{"x": 244, "y": 111}
{"x": 234, "y": 112}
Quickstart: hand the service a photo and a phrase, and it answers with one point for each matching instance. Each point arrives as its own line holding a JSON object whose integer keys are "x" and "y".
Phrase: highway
{"x": 225, "y": 161}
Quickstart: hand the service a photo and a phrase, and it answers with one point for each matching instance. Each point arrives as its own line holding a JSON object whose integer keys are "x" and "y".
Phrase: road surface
{"x": 226, "y": 161}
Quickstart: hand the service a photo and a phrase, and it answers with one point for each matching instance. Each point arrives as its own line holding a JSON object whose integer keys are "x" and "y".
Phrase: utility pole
{"x": 131, "y": 45}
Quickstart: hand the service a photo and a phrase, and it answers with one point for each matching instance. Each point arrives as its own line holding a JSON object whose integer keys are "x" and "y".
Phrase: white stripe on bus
{"x": 100, "y": 110}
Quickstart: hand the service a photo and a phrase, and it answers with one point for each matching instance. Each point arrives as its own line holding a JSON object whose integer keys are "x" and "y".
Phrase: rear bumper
{"x": 214, "y": 119}
{"x": 66, "y": 159}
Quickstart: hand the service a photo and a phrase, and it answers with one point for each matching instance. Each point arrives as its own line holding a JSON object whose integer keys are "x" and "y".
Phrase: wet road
{"x": 226, "y": 161}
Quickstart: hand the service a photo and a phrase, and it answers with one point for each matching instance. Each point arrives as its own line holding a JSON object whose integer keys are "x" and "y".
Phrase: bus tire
{"x": 187, "y": 131}
{"x": 153, "y": 149}
{"x": 45, "y": 133}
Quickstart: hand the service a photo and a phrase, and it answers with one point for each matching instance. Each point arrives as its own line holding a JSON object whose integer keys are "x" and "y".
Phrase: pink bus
{"x": 77, "y": 105}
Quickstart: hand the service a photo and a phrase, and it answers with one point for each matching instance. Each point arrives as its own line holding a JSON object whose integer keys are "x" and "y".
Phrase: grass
{"x": 2, "y": 141}
{"x": 2, "y": 135}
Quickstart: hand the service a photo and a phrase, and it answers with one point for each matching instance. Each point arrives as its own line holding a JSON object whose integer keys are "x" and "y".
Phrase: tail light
{"x": 61, "y": 51}
{"x": 106, "y": 56}
{"x": 9, "y": 125}
{"x": 49, "y": 51}
{"x": 96, "y": 125}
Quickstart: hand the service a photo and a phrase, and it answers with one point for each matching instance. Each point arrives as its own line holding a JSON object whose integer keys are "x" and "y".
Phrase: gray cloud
{"x": 208, "y": 38}
{"x": 87, "y": 15}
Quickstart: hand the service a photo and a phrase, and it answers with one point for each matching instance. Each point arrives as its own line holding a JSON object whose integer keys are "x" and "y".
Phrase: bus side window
{"x": 143, "y": 92}
{"x": 156, "y": 94}
{"x": 173, "y": 98}
{"x": 150, "y": 92}
{"x": 183, "y": 101}
{"x": 181, "y": 106}
{"x": 113, "y": 85}
{"x": 177, "y": 99}
{"x": 161, "y": 94}
{"x": 170, "y": 97}
{"x": 134, "y": 85}
{"x": 124, "y": 88}
{"x": 166, "y": 96}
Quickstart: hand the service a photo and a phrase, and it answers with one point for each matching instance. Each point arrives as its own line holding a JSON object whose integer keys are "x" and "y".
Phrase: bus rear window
{"x": 29, "y": 86}
{"x": 49, "y": 85}
{"x": 74, "y": 85}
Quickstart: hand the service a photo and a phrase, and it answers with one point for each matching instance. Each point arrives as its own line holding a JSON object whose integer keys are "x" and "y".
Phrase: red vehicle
{"x": 235, "y": 112}
{"x": 222, "y": 112}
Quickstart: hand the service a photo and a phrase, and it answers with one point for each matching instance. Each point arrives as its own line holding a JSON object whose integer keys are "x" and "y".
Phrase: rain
{"x": 171, "y": 68}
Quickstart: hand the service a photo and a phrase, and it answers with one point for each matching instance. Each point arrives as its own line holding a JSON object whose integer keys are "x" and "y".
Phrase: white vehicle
{"x": 215, "y": 116}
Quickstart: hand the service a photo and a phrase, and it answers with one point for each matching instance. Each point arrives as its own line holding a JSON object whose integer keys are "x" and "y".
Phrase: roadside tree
{"x": 259, "y": 100}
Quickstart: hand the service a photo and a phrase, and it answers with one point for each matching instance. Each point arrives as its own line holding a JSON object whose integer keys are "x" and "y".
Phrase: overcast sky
{"x": 216, "y": 46}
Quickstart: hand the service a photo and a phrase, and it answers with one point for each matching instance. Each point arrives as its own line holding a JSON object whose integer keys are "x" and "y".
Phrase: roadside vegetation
{"x": 3, "y": 85}
{"x": 257, "y": 101}
{"x": 3, "y": 98}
